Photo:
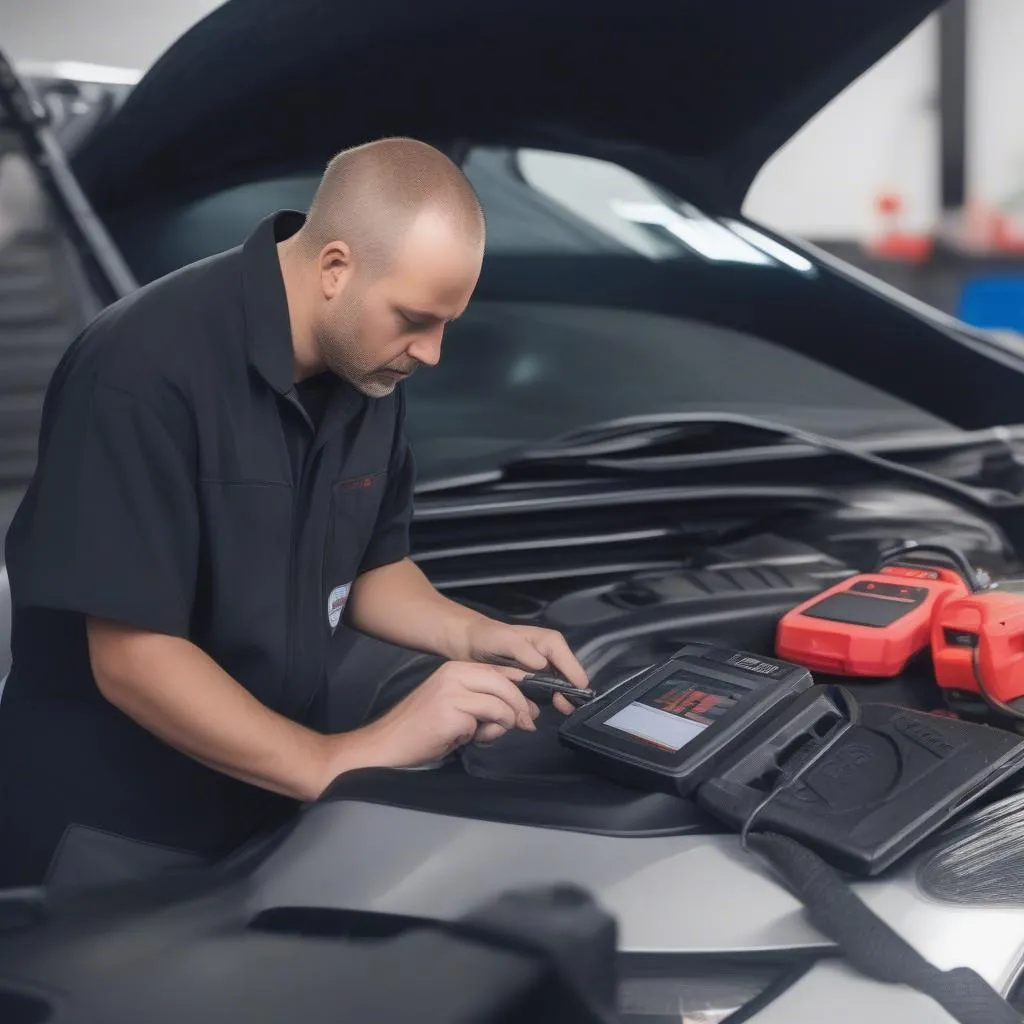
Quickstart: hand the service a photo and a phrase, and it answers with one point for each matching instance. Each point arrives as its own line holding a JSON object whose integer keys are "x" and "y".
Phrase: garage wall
{"x": 995, "y": 100}
{"x": 122, "y": 33}
{"x": 880, "y": 134}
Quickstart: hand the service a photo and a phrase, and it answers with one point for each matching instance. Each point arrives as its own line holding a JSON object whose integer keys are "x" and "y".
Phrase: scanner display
{"x": 667, "y": 727}
{"x": 675, "y": 712}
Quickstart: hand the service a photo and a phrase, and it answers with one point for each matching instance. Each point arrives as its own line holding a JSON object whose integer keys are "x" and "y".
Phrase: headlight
{"x": 693, "y": 990}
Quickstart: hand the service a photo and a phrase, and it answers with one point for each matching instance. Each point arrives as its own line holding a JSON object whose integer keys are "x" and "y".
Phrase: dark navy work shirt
{"x": 186, "y": 486}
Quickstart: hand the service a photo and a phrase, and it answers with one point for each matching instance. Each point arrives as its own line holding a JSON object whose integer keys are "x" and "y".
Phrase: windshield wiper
{"x": 665, "y": 441}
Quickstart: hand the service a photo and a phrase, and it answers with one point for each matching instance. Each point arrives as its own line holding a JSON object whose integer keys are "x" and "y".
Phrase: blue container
{"x": 994, "y": 302}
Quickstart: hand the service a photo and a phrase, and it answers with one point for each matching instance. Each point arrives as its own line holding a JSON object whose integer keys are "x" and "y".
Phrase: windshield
{"x": 603, "y": 295}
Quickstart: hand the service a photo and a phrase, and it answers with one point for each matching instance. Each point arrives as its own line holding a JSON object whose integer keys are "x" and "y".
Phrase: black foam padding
{"x": 887, "y": 782}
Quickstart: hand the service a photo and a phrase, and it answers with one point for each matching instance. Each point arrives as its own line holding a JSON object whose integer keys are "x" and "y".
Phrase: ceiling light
{"x": 77, "y": 71}
{"x": 774, "y": 249}
{"x": 703, "y": 235}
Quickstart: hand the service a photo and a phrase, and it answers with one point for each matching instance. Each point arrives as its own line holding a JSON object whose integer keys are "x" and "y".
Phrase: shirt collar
{"x": 268, "y": 324}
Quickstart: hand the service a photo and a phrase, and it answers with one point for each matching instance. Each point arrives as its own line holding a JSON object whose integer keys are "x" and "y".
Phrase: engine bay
{"x": 732, "y": 596}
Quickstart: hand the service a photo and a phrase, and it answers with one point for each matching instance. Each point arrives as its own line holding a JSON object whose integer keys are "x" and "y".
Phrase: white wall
{"x": 122, "y": 33}
{"x": 995, "y": 99}
{"x": 880, "y": 134}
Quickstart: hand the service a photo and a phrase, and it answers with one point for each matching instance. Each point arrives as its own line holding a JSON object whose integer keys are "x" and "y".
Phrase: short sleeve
{"x": 390, "y": 540}
{"x": 110, "y": 526}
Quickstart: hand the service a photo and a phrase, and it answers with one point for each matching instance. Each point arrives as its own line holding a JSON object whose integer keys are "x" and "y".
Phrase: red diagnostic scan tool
{"x": 978, "y": 651}
{"x": 872, "y": 624}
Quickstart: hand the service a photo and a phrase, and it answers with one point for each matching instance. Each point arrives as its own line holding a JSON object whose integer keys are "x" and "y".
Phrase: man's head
{"x": 391, "y": 252}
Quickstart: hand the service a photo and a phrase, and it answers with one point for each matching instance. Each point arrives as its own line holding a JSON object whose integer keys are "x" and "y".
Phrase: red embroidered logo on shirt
{"x": 359, "y": 483}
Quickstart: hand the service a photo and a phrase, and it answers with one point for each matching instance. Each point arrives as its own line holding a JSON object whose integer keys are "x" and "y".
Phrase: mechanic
{"x": 223, "y": 475}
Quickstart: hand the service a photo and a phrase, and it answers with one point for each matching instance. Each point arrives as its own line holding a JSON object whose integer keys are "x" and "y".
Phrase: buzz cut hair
{"x": 370, "y": 195}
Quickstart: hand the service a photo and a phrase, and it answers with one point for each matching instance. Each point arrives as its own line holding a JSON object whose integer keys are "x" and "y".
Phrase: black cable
{"x": 970, "y": 577}
{"x": 986, "y": 695}
{"x": 847, "y": 706}
{"x": 869, "y": 943}
{"x": 967, "y": 572}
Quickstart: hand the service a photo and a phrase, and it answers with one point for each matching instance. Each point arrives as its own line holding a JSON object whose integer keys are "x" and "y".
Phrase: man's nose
{"x": 426, "y": 349}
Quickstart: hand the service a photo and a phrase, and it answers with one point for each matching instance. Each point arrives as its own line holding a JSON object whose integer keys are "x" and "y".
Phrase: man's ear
{"x": 335, "y": 268}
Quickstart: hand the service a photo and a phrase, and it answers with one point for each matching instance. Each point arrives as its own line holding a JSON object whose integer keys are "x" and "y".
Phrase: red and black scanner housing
{"x": 978, "y": 649}
{"x": 868, "y": 625}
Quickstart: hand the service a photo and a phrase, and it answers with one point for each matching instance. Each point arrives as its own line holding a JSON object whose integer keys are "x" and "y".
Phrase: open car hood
{"x": 261, "y": 86}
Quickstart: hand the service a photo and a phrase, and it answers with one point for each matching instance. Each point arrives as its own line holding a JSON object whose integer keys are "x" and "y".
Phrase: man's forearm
{"x": 174, "y": 690}
{"x": 398, "y": 604}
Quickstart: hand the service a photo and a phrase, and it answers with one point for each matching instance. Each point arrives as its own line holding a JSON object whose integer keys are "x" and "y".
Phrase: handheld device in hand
{"x": 863, "y": 789}
{"x": 978, "y": 652}
{"x": 668, "y": 727}
{"x": 539, "y": 684}
{"x": 872, "y": 624}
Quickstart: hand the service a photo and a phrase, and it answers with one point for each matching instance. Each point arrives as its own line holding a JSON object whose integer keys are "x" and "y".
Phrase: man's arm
{"x": 392, "y": 600}
{"x": 397, "y": 603}
{"x": 176, "y": 691}
{"x": 172, "y": 688}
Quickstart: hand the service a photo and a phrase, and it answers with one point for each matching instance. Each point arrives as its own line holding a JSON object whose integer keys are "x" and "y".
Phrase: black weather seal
{"x": 25, "y": 115}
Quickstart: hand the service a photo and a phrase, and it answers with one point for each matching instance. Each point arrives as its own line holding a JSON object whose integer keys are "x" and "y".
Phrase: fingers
{"x": 538, "y": 649}
{"x": 556, "y": 651}
{"x": 526, "y": 653}
{"x": 490, "y": 710}
{"x": 516, "y": 675}
{"x": 501, "y": 683}
{"x": 562, "y": 704}
{"x": 486, "y": 734}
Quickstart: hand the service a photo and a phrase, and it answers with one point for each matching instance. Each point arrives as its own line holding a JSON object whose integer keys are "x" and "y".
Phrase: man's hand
{"x": 460, "y": 703}
{"x": 177, "y": 692}
{"x": 397, "y": 603}
{"x": 529, "y": 647}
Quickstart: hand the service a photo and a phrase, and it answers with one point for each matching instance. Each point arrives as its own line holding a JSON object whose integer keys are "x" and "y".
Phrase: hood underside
{"x": 261, "y": 86}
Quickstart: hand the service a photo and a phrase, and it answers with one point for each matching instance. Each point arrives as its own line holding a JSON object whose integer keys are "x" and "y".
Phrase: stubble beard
{"x": 339, "y": 349}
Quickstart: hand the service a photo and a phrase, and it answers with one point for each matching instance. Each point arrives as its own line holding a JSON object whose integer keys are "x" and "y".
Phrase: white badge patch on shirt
{"x": 336, "y": 604}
